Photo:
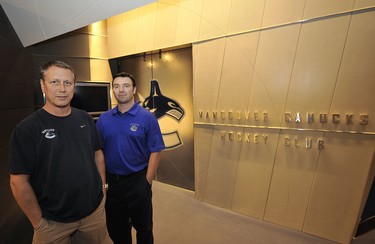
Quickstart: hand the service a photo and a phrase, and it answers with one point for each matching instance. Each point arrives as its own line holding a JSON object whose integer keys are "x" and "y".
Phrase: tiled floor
{"x": 181, "y": 219}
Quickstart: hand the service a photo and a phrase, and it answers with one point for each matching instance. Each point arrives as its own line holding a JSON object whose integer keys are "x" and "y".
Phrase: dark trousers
{"x": 129, "y": 203}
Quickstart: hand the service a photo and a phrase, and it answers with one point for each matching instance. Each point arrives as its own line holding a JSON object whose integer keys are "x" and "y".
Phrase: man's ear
{"x": 42, "y": 85}
{"x": 134, "y": 90}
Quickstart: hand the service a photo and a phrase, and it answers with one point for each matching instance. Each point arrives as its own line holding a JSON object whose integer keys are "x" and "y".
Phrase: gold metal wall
{"x": 257, "y": 65}
{"x": 257, "y": 151}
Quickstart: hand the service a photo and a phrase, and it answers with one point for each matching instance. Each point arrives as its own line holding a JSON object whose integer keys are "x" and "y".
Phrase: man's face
{"x": 58, "y": 86}
{"x": 123, "y": 90}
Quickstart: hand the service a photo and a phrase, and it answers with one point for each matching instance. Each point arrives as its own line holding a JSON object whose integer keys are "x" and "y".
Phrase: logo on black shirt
{"x": 49, "y": 133}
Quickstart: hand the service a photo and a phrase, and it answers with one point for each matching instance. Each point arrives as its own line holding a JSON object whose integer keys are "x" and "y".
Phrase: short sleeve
{"x": 155, "y": 139}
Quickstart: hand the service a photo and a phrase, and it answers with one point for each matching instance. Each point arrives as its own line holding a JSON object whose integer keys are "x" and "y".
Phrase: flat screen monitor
{"x": 93, "y": 97}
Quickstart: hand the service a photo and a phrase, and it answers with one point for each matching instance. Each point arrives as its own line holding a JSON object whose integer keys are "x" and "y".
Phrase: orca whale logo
{"x": 49, "y": 133}
{"x": 161, "y": 105}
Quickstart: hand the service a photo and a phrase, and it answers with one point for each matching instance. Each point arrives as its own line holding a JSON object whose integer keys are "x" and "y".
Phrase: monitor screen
{"x": 93, "y": 97}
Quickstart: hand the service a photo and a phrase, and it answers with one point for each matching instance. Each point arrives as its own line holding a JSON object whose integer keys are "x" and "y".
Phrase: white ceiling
{"x": 38, "y": 20}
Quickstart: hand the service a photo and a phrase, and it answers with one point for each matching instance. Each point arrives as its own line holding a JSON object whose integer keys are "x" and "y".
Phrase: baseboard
{"x": 365, "y": 226}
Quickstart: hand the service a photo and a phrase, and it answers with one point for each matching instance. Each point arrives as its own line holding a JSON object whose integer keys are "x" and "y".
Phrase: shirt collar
{"x": 133, "y": 110}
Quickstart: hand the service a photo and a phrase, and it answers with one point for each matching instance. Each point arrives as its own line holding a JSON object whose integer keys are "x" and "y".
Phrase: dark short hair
{"x": 124, "y": 74}
{"x": 46, "y": 65}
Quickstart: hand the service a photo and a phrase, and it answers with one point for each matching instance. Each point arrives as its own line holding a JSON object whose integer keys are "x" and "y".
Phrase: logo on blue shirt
{"x": 133, "y": 127}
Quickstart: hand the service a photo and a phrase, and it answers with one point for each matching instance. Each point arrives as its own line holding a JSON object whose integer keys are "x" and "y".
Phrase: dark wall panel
{"x": 72, "y": 48}
{"x": 173, "y": 71}
{"x": 16, "y": 103}
{"x": 16, "y": 92}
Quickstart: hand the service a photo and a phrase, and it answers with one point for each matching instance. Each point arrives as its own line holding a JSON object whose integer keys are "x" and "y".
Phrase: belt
{"x": 119, "y": 177}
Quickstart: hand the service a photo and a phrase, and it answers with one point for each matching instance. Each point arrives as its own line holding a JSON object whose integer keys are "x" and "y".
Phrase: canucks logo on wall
{"x": 161, "y": 106}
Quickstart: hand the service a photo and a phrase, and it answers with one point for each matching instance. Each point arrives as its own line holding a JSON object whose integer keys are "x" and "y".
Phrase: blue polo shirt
{"x": 129, "y": 139}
